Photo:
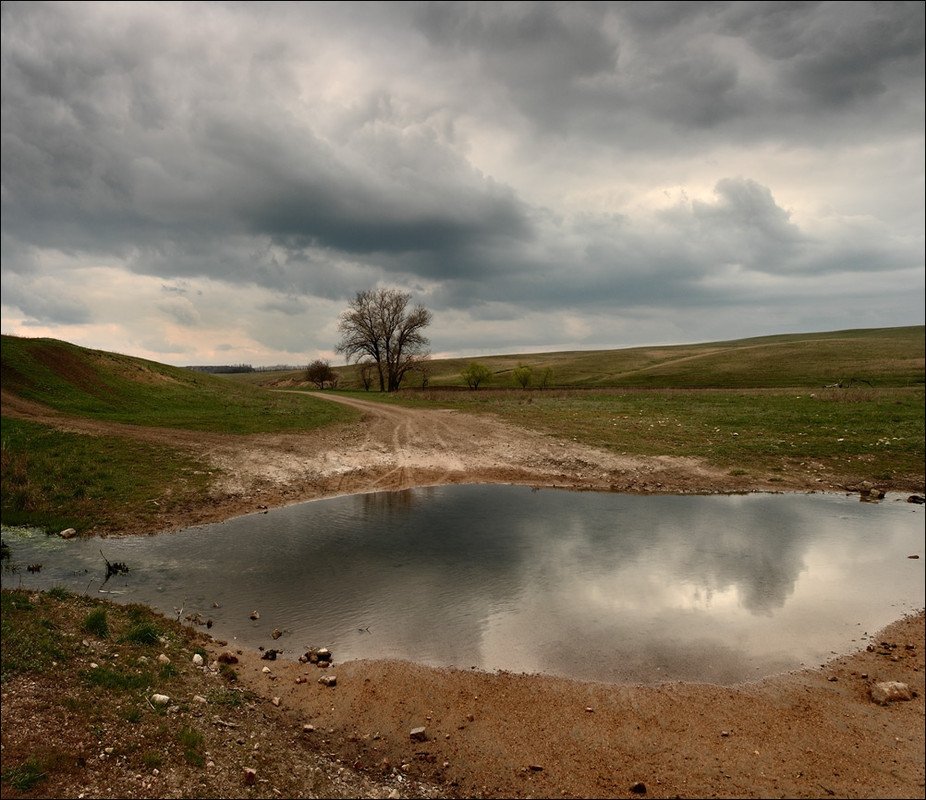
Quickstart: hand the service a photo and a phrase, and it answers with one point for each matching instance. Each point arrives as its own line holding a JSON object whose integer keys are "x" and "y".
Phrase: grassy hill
{"x": 879, "y": 356}
{"x": 118, "y": 388}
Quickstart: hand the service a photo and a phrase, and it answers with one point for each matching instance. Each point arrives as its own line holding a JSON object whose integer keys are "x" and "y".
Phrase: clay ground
{"x": 815, "y": 733}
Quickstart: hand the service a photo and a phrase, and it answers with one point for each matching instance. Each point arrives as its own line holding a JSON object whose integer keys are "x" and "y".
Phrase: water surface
{"x": 594, "y": 586}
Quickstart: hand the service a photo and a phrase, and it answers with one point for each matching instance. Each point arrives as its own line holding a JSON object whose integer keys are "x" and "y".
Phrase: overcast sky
{"x": 211, "y": 183}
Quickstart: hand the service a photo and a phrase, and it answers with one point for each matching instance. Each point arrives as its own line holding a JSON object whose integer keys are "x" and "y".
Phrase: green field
{"x": 884, "y": 357}
{"x": 849, "y": 403}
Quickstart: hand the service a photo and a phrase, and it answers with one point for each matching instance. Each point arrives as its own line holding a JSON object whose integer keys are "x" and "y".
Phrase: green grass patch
{"x": 96, "y": 624}
{"x": 192, "y": 742}
{"x": 26, "y": 776}
{"x": 118, "y": 679}
{"x": 31, "y": 642}
{"x": 229, "y": 698}
{"x": 143, "y": 633}
{"x": 54, "y": 479}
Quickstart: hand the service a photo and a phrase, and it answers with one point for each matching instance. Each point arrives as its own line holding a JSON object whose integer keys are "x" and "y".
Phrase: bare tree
{"x": 320, "y": 373}
{"x": 378, "y": 327}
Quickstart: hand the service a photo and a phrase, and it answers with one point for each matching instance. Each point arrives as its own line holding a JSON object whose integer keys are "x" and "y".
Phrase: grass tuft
{"x": 26, "y": 776}
{"x": 96, "y": 624}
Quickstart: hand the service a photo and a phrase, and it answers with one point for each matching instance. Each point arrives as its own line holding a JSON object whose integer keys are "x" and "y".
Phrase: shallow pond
{"x": 594, "y": 586}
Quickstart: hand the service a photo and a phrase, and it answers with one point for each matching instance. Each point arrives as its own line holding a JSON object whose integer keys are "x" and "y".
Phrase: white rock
{"x": 163, "y": 659}
{"x": 888, "y": 691}
{"x": 197, "y": 660}
{"x": 160, "y": 699}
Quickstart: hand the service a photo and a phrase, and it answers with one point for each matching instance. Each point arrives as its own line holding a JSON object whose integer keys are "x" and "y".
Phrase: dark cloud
{"x": 43, "y": 301}
{"x": 835, "y": 55}
{"x": 497, "y": 158}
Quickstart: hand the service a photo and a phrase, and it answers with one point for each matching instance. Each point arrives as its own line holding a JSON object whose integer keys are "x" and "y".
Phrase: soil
{"x": 813, "y": 733}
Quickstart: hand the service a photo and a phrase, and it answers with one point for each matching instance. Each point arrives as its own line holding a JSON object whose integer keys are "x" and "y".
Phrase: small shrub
{"x": 229, "y": 698}
{"x": 59, "y": 593}
{"x": 116, "y": 680}
{"x": 192, "y": 741}
{"x": 138, "y": 613}
{"x": 96, "y": 624}
{"x": 25, "y": 776}
{"x": 144, "y": 633}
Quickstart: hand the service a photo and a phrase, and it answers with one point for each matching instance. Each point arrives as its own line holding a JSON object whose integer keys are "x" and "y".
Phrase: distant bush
{"x": 522, "y": 374}
{"x": 475, "y": 373}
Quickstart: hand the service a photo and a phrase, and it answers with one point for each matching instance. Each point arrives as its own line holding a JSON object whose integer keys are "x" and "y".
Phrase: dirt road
{"x": 392, "y": 448}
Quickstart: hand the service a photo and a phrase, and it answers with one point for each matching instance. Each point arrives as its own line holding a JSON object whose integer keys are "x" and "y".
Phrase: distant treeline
{"x": 231, "y": 368}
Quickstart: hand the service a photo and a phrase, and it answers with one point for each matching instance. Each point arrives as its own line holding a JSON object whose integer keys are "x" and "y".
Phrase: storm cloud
{"x": 212, "y": 182}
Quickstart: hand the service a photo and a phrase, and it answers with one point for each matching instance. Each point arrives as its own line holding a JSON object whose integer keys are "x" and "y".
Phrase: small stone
{"x": 68, "y": 533}
{"x": 307, "y": 728}
{"x": 197, "y": 660}
{"x": 328, "y": 680}
{"x": 250, "y": 776}
{"x": 255, "y": 615}
{"x": 198, "y": 698}
{"x": 160, "y": 699}
{"x": 266, "y": 670}
{"x": 418, "y": 734}
{"x": 638, "y": 788}
{"x": 276, "y": 701}
{"x": 887, "y": 692}
{"x": 163, "y": 659}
